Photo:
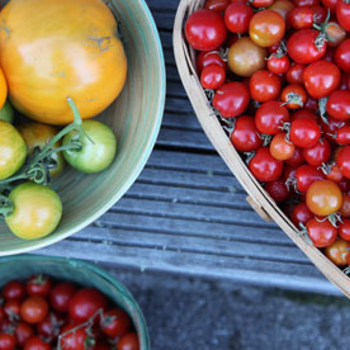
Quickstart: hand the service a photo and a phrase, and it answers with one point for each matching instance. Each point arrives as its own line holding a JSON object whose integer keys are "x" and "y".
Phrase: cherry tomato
{"x": 12, "y": 309}
{"x": 335, "y": 34}
{"x": 324, "y": 197}
{"x": 281, "y": 148}
{"x": 14, "y": 290}
{"x": 306, "y": 175}
{"x": 213, "y": 77}
{"x": 338, "y": 252}
{"x": 237, "y": 17}
{"x": 344, "y": 185}
{"x": 262, "y": 3}
{"x": 86, "y": 303}
{"x": 245, "y": 136}
{"x": 13, "y": 150}
{"x": 322, "y": 234}
{"x": 34, "y": 310}
{"x": 130, "y": 341}
{"x": 345, "y": 208}
{"x": 305, "y": 3}
{"x": 205, "y": 59}
{"x": 321, "y": 78}
{"x": 301, "y": 17}
{"x": 36, "y": 343}
{"x": 294, "y": 74}
{"x": 301, "y": 214}
{"x": 98, "y": 147}
{"x": 277, "y": 190}
{"x": 37, "y": 211}
{"x": 115, "y": 323}
{"x": 245, "y": 57}
{"x": 50, "y": 327}
{"x": 342, "y": 55}
{"x": 344, "y": 229}
{"x": 264, "y": 167}
{"x": 264, "y": 86}
{"x": 338, "y": 105}
{"x": 231, "y": 99}
{"x": 76, "y": 339}
{"x": 278, "y": 65}
{"x": 304, "y": 114}
{"x": 303, "y": 46}
{"x": 283, "y": 7}
{"x": 39, "y": 285}
{"x": 330, "y": 4}
{"x": 334, "y": 174}
{"x": 294, "y": 96}
{"x": 37, "y": 136}
{"x": 267, "y": 28}
{"x": 217, "y": 5}
{"x": 343, "y": 135}
{"x": 270, "y": 117}
{"x": 305, "y": 133}
{"x": 318, "y": 154}
{"x": 297, "y": 159}
{"x": 343, "y": 161}
{"x": 205, "y": 30}
{"x": 61, "y": 295}
{"x": 23, "y": 332}
{"x": 343, "y": 14}
{"x": 7, "y": 341}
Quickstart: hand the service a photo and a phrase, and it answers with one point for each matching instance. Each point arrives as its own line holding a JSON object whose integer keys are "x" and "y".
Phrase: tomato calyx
{"x": 322, "y": 102}
{"x": 293, "y": 99}
{"x": 335, "y": 219}
{"x": 6, "y": 206}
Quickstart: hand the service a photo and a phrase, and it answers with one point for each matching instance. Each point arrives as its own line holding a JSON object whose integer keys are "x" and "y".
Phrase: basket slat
{"x": 214, "y": 131}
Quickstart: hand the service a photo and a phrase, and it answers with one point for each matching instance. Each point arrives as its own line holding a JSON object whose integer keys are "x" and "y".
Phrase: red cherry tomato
{"x": 307, "y": 175}
{"x": 264, "y": 167}
{"x": 86, "y": 303}
{"x": 301, "y": 17}
{"x": 262, "y": 3}
{"x": 7, "y": 341}
{"x": 343, "y": 135}
{"x": 12, "y": 309}
{"x": 115, "y": 323}
{"x": 34, "y": 310}
{"x": 130, "y": 341}
{"x": 270, "y": 117}
{"x": 318, "y": 154}
{"x": 237, "y": 17}
{"x": 206, "y": 59}
{"x": 321, "y": 78}
{"x": 231, "y": 99}
{"x": 217, "y": 5}
{"x": 304, "y": 114}
{"x": 344, "y": 229}
{"x": 330, "y": 4}
{"x": 264, "y": 86}
{"x": 322, "y": 234}
{"x": 75, "y": 339}
{"x": 301, "y": 214}
{"x": 205, "y": 30}
{"x": 303, "y": 46}
{"x": 213, "y": 77}
{"x": 245, "y": 136}
{"x": 61, "y": 295}
{"x": 338, "y": 105}
{"x": 334, "y": 174}
{"x": 14, "y": 290}
{"x": 297, "y": 159}
{"x": 343, "y": 14}
{"x": 50, "y": 327}
{"x": 39, "y": 285}
{"x": 277, "y": 190}
{"x": 294, "y": 96}
{"x": 342, "y": 55}
{"x": 305, "y": 3}
{"x": 23, "y": 332}
{"x": 36, "y": 343}
{"x": 281, "y": 148}
{"x": 278, "y": 65}
{"x": 343, "y": 161}
{"x": 304, "y": 133}
{"x": 294, "y": 74}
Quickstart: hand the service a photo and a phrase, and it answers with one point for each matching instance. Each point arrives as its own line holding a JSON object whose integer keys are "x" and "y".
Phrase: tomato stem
{"x": 7, "y": 207}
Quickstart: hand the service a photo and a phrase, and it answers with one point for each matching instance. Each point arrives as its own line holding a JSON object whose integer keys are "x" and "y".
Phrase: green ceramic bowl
{"x": 135, "y": 117}
{"x": 81, "y": 273}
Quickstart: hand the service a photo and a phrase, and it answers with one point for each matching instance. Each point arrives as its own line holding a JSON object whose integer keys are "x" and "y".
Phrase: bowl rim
{"x": 101, "y": 272}
{"x": 138, "y": 166}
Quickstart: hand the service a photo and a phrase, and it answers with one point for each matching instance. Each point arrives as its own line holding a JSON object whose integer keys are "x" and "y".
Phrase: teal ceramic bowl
{"x": 81, "y": 273}
{"x": 135, "y": 117}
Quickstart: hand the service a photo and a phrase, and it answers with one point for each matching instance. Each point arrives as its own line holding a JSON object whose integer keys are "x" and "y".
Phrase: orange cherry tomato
{"x": 324, "y": 197}
{"x": 294, "y": 96}
{"x": 339, "y": 252}
{"x": 281, "y": 148}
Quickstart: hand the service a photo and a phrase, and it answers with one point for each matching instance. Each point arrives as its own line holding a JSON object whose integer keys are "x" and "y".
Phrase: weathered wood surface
{"x": 186, "y": 213}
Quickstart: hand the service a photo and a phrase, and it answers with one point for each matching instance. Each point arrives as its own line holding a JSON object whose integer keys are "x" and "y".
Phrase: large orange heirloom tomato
{"x": 54, "y": 49}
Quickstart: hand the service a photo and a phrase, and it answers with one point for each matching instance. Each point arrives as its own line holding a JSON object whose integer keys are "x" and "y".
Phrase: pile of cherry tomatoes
{"x": 42, "y": 314}
{"x": 277, "y": 72}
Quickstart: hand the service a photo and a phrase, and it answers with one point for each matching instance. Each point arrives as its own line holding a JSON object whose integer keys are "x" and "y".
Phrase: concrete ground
{"x": 195, "y": 314}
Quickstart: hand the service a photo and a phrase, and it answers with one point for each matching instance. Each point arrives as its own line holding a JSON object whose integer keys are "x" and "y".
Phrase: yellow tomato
{"x": 54, "y": 49}
{"x": 13, "y": 150}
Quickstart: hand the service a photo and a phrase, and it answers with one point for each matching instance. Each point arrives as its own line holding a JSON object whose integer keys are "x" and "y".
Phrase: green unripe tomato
{"x": 98, "y": 147}
{"x": 37, "y": 211}
{"x": 13, "y": 150}
{"x": 7, "y": 113}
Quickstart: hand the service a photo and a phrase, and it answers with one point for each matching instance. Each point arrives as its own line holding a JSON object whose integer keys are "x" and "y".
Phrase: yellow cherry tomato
{"x": 13, "y": 150}
{"x": 37, "y": 211}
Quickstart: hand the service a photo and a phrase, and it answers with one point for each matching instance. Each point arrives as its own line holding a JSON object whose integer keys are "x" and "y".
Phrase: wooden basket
{"x": 261, "y": 202}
